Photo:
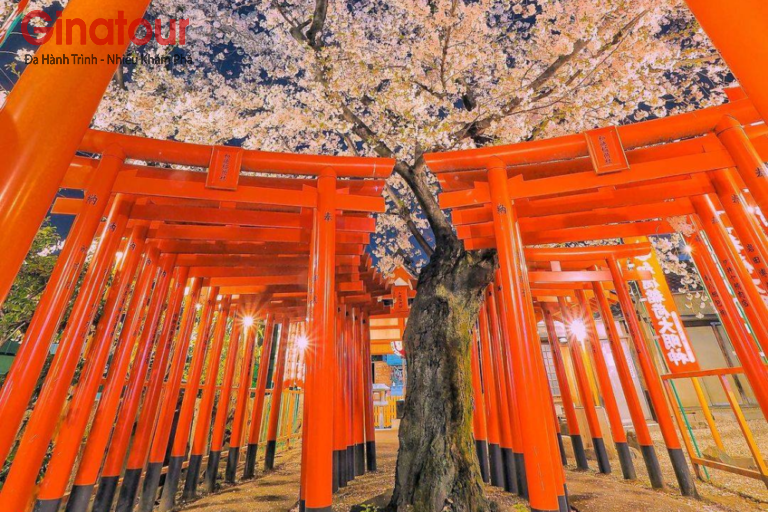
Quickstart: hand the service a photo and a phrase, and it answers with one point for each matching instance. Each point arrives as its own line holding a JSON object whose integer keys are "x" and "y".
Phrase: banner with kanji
{"x": 673, "y": 340}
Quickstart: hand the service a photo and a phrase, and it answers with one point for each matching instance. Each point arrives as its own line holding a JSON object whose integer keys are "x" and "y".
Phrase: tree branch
{"x": 429, "y": 90}
{"x": 475, "y": 128}
{"x": 318, "y": 22}
{"x": 414, "y": 175}
{"x": 350, "y": 144}
{"x": 404, "y": 214}
{"x": 362, "y": 130}
{"x": 446, "y": 44}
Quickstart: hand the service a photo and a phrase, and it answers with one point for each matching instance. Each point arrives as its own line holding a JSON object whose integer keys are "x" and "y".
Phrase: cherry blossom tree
{"x": 398, "y": 79}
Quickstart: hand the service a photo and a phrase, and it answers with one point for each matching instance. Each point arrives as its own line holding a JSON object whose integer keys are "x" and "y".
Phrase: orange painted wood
{"x": 573, "y": 146}
{"x": 605, "y": 150}
{"x": 141, "y": 148}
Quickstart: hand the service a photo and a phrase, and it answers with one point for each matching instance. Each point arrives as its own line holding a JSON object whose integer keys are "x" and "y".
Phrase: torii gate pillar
{"x": 44, "y": 119}
{"x": 544, "y": 492}
{"x": 317, "y": 478}
{"x": 737, "y": 29}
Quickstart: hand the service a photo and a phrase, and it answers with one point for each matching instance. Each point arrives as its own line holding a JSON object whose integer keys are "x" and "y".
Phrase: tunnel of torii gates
{"x": 151, "y": 375}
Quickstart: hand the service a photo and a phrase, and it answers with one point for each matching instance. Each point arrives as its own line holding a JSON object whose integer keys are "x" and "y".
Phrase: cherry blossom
{"x": 411, "y": 76}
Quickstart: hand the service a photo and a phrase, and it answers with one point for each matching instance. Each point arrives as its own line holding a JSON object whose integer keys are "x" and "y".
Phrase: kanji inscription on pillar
{"x": 749, "y": 258}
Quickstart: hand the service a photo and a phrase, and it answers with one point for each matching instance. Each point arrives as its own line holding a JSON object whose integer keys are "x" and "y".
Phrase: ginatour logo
{"x": 102, "y": 31}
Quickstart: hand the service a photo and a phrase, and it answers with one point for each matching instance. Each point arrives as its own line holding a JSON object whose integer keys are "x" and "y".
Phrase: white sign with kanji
{"x": 666, "y": 321}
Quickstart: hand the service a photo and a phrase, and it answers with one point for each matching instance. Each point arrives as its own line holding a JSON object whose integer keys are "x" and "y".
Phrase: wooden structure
{"x": 207, "y": 245}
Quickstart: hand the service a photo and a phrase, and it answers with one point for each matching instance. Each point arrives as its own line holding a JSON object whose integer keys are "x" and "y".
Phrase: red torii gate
{"x": 259, "y": 236}
{"x": 670, "y": 333}
{"x": 45, "y": 135}
{"x": 546, "y": 192}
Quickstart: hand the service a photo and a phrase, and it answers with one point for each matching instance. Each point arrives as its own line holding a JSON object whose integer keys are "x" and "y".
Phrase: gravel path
{"x": 590, "y": 492}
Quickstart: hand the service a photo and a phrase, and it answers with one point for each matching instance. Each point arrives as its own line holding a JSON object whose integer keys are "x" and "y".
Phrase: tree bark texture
{"x": 437, "y": 468}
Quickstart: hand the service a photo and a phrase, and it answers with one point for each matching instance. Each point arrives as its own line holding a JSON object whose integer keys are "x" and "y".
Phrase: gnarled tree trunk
{"x": 437, "y": 465}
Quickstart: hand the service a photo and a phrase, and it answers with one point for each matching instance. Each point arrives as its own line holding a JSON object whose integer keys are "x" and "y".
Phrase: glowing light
{"x": 578, "y": 329}
{"x": 198, "y": 306}
{"x": 119, "y": 256}
{"x": 687, "y": 249}
{"x": 247, "y": 321}
{"x": 302, "y": 342}
{"x": 751, "y": 209}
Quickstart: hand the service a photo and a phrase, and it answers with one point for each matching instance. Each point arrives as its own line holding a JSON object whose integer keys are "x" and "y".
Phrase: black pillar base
{"x": 128, "y": 490}
{"x": 625, "y": 459}
{"x": 603, "y": 463}
{"x": 522, "y": 479}
{"x": 172, "y": 479}
{"x": 560, "y": 444}
{"x": 344, "y": 476}
{"x": 567, "y": 497}
{"x": 351, "y": 463}
{"x": 302, "y": 506}
{"x": 652, "y": 465}
{"x": 149, "y": 489}
{"x": 359, "y": 459}
{"x": 510, "y": 471}
{"x": 105, "y": 494}
{"x": 269, "y": 457}
{"x": 193, "y": 475}
{"x": 336, "y": 470}
{"x": 683, "y": 474}
{"x": 370, "y": 455}
{"x": 79, "y": 498}
{"x": 562, "y": 502}
{"x": 47, "y": 505}
{"x": 482, "y": 458}
{"x": 321, "y": 509}
{"x": 233, "y": 456}
{"x": 579, "y": 453}
{"x": 497, "y": 465}
{"x": 212, "y": 470}
{"x": 250, "y": 461}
